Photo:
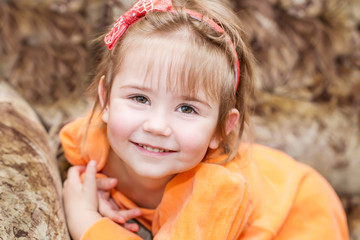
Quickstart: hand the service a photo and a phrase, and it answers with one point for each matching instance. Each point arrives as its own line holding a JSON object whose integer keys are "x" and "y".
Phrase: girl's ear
{"x": 231, "y": 120}
{"x": 230, "y": 123}
{"x": 102, "y": 93}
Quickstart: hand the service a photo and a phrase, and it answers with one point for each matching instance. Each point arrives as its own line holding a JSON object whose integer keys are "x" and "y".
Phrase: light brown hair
{"x": 206, "y": 60}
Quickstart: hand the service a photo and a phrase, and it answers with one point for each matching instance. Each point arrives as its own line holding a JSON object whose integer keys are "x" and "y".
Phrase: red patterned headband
{"x": 142, "y": 7}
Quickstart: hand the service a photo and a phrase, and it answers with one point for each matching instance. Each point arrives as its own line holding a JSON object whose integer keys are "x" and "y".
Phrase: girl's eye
{"x": 140, "y": 99}
{"x": 187, "y": 109}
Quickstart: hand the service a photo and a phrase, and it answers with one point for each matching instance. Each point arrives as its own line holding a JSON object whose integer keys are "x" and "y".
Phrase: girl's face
{"x": 155, "y": 131}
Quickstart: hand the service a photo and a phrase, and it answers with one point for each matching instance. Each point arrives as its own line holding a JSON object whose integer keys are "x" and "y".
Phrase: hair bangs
{"x": 188, "y": 63}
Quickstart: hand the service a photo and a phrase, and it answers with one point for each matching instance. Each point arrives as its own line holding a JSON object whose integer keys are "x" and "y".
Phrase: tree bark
{"x": 30, "y": 184}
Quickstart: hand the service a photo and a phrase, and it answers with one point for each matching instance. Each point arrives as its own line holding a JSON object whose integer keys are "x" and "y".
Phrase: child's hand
{"x": 80, "y": 199}
{"x": 108, "y": 208}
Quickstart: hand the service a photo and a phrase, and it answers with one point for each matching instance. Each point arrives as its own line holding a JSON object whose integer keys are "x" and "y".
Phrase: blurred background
{"x": 307, "y": 100}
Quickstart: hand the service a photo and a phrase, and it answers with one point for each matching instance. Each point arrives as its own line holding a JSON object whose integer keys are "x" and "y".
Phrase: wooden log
{"x": 30, "y": 185}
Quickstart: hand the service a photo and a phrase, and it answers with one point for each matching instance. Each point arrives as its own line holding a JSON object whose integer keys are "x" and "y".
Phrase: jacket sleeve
{"x": 316, "y": 212}
{"x": 105, "y": 229}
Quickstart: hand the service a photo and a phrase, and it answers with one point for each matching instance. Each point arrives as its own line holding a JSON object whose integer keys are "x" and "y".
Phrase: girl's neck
{"x": 144, "y": 192}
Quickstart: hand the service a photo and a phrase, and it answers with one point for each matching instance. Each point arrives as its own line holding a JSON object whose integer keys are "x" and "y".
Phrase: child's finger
{"x": 106, "y": 184}
{"x": 103, "y": 195}
{"x": 130, "y": 214}
{"x": 107, "y": 209}
{"x": 89, "y": 186}
{"x": 133, "y": 227}
{"x": 74, "y": 172}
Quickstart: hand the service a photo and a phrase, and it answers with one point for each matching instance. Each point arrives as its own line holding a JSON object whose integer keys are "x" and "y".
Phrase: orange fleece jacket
{"x": 265, "y": 194}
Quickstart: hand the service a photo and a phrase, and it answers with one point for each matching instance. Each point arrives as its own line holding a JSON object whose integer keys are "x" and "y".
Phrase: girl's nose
{"x": 157, "y": 123}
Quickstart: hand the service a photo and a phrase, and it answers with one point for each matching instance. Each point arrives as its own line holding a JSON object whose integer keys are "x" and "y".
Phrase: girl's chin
{"x": 155, "y": 174}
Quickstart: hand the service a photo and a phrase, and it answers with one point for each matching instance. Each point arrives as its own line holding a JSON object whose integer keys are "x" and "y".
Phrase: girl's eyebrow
{"x": 142, "y": 88}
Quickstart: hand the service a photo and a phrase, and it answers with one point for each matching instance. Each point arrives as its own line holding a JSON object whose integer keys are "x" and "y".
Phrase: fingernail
{"x": 92, "y": 163}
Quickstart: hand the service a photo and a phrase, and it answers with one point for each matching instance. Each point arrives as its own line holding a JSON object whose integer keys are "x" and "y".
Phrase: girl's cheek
{"x": 195, "y": 140}
{"x": 119, "y": 126}
{"x": 123, "y": 121}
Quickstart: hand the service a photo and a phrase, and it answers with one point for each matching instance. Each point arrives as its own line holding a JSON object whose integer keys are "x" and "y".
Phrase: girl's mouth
{"x": 153, "y": 149}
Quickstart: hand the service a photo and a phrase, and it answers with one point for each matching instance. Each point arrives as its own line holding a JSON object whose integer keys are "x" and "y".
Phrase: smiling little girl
{"x": 163, "y": 139}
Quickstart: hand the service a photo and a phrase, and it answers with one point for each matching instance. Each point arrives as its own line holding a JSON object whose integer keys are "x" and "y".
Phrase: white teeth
{"x": 150, "y": 149}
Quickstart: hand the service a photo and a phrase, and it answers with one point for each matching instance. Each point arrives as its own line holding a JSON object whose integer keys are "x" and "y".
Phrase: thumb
{"x": 106, "y": 184}
{"x": 90, "y": 189}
